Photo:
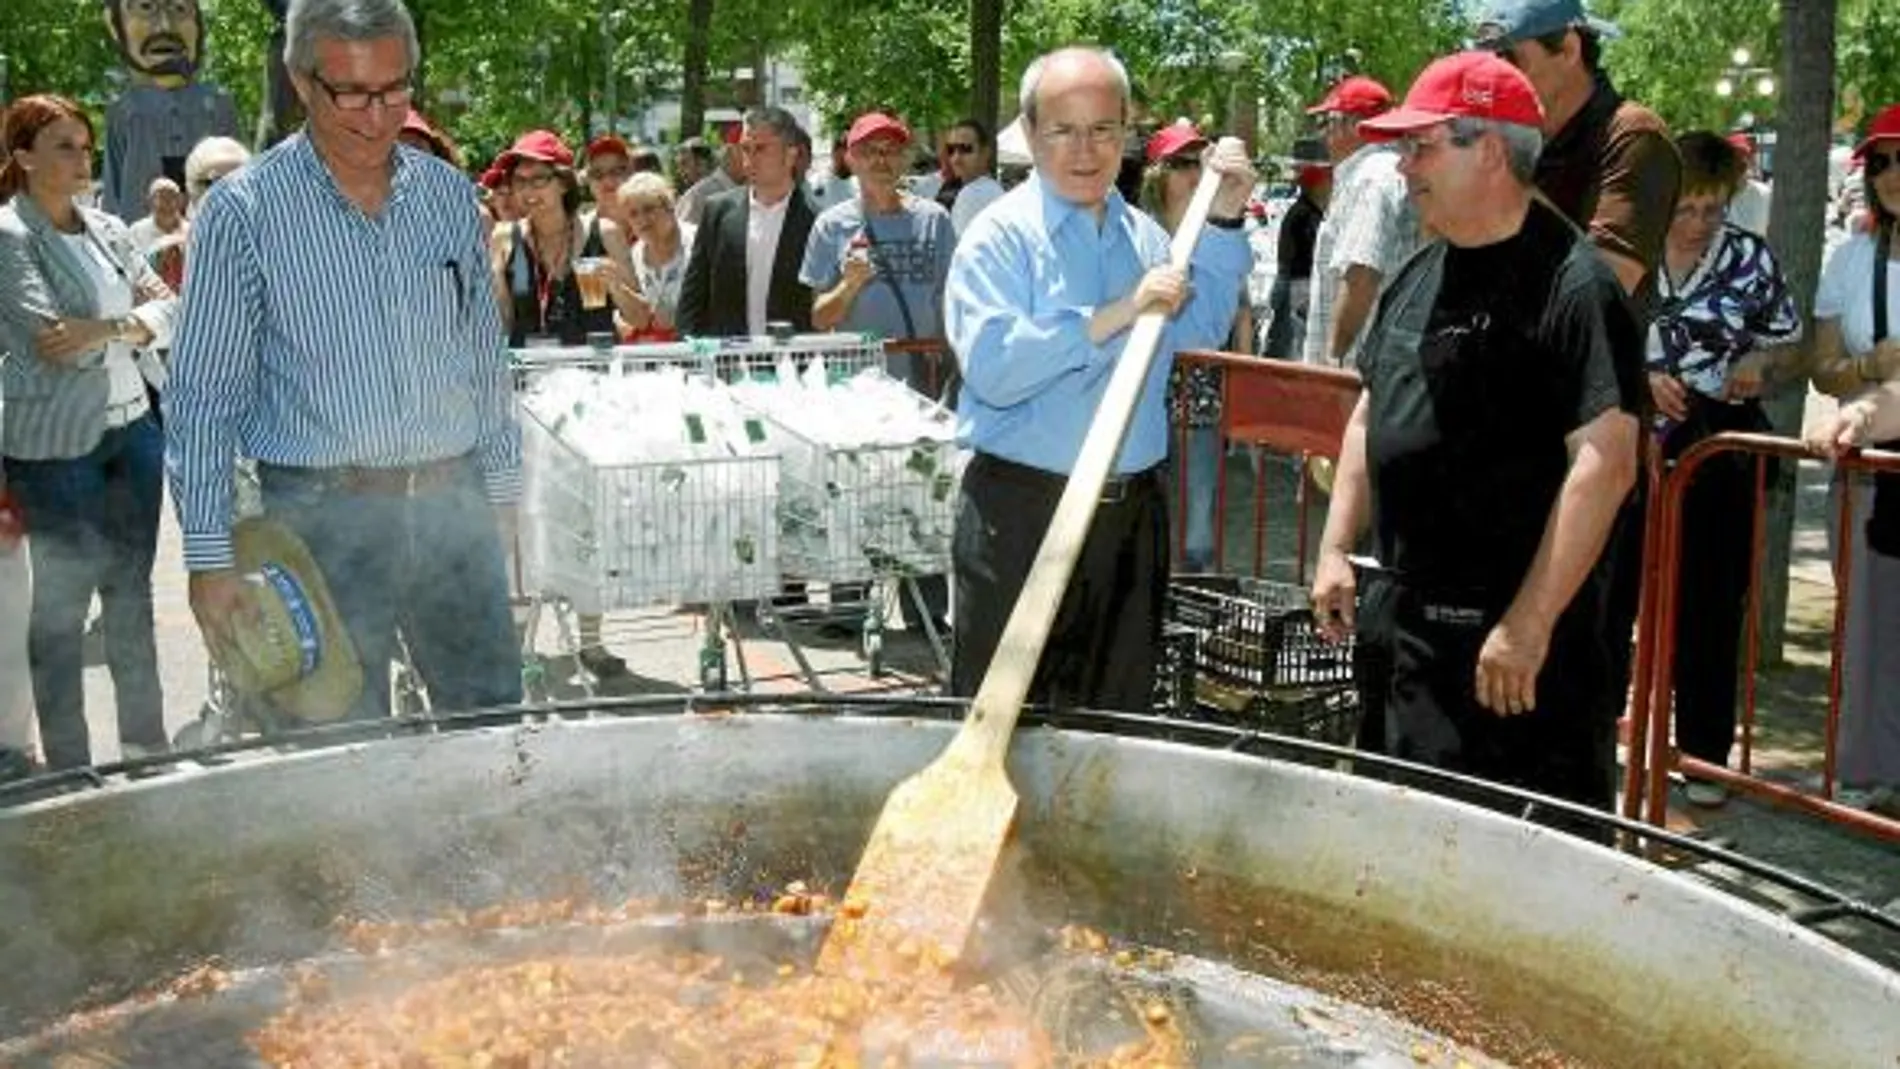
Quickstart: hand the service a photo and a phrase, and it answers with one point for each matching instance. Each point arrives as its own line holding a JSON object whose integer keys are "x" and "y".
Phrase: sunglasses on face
{"x": 959, "y": 148}
{"x": 1878, "y": 162}
{"x": 1181, "y": 163}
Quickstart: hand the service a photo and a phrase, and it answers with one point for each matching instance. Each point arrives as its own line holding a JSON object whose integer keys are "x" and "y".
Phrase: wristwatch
{"x": 1228, "y": 222}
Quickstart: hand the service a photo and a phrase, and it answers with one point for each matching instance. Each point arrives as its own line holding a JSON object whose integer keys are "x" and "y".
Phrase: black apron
{"x": 1423, "y": 633}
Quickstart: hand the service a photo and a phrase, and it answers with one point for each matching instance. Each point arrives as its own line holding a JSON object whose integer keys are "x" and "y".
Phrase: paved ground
{"x": 663, "y": 648}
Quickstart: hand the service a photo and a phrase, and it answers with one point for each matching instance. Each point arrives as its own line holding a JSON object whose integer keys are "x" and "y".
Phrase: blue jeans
{"x": 92, "y": 526}
{"x": 1202, "y": 462}
{"x": 430, "y": 563}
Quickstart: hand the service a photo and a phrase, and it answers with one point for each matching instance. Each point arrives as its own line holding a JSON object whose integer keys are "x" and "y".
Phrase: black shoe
{"x": 602, "y": 664}
{"x": 15, "y": 764}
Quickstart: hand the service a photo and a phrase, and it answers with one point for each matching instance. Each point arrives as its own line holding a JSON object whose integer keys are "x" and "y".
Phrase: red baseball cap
{"x": 876, "y": 124}
{"x": 494, "y": 177}
{"x": 607, "y": 145}
{"x": 415, "y": 123}
{"x": 1885, "y": 127}
{"x": 1357, "y": 95}
{"x": 1476, "y": 85}
{"x": 1174, "y": 139}
{"x": 1743, "y": 143}
{"x": 541, "y": 145}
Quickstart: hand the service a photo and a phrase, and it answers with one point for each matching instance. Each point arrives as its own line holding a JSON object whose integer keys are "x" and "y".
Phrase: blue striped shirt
{"x": 316, "y": 336}
{"x": 1026, "y": 278}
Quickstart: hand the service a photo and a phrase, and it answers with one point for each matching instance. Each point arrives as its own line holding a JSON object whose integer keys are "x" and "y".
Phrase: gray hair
{"x": 344, "y": 20}
{"x": 207, "y": 154}
{"x": 1032, "y": 78}
{"x": 647, "y": 184}
{"x": 161, "y": 184}
{"x": 1522, "y": 144}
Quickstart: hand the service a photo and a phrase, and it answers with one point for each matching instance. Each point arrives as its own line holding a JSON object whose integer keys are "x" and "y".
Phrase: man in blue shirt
{"x": 1042, "y": 291}
{"x": 342, "y": 332}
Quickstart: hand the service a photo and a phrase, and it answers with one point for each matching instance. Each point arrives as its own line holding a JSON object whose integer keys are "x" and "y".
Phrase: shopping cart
{"x": 867, "y": 520}
{"x": 602, "y": 535}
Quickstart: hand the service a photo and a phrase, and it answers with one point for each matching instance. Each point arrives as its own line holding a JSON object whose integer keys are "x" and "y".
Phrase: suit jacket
{"x": 712, "y": 296}
{"x": 56, "y": 411}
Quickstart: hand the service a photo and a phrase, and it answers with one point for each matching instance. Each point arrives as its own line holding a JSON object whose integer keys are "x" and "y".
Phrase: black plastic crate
{"x": 1174, "y": 671}
{"x": 1256, "y": 635}
{"x": 1327, "y": 714}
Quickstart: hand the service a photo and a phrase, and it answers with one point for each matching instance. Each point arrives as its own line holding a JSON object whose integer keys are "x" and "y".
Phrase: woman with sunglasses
{"x": 1194, "y": 393}
{"x": 1856, "y": 352}
{"x": 537, "y": 265}
{"x": 84, "y": 455}
{"x": 1727, "y": 319}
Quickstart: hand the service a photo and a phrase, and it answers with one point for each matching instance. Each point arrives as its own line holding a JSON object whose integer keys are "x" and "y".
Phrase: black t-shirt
{"x": 1298, "y": 232}
{"x": 1481, "y": 361}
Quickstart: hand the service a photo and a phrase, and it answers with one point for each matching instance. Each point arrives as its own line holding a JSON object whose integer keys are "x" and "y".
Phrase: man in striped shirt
{"x": 341, "y": 331}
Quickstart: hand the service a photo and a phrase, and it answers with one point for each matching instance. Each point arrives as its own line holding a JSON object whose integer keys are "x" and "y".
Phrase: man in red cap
{"x": 1368, "y": 229}
{"x": 1488, "y": 456}
{"x": 876, "y": 263}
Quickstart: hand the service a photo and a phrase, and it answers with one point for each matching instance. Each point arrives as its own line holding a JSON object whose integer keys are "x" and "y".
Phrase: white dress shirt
{"x": 763, "y": 224}
{"x": 126, "y": 399}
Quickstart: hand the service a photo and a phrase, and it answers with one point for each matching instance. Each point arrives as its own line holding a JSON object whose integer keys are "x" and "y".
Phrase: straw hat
{"x": 293, "y": 651}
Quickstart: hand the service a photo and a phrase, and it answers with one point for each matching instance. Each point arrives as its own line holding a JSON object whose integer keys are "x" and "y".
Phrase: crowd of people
{"x": 1541, "y": 287}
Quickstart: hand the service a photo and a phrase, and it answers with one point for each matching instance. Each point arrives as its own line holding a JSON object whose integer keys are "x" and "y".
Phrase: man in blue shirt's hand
{"x": 1042, "y": 291}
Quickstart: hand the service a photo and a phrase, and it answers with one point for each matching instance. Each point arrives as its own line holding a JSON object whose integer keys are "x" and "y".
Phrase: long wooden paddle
{"x": 931, "y": 856}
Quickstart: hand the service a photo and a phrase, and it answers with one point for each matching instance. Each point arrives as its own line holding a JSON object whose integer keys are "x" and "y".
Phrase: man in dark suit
{"x": 743, "y": 272}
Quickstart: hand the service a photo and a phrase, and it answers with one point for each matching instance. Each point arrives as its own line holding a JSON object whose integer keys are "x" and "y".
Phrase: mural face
{"x": 161, "y": 40}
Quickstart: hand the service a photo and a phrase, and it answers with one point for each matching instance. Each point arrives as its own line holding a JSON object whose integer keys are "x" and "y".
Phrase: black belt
{"x": 1116, "y": 489}
{"x": 395, "y": 481}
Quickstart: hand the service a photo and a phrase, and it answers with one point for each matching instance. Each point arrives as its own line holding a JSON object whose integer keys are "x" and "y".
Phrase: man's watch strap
{"x": 1226, "y": 222}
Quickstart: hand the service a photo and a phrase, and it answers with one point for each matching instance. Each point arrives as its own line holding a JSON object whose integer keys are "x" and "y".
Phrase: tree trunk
{"x": 1796, "y": 232}
{"x": 986, "y": 60}
{"x": 693, "y": 71}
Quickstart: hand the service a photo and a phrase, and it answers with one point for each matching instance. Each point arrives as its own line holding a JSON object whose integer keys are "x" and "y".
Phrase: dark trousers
{"x": 1101, "y": 649}
{"x": 92, "y": 526}
{"x": 1712, "y": 591}
{"x": 1565, "y": 748}
{"x": 430, "y": 563}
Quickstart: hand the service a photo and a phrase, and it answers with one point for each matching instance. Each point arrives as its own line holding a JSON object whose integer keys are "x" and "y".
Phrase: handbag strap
{"x": 903, "y": 306}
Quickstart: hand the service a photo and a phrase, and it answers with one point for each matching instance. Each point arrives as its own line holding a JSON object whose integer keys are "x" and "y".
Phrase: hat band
{"x": 303, "y": 616}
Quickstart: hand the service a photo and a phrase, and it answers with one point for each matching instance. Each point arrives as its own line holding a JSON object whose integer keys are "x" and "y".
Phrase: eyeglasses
{"x": 1412, "y": 146}
{"x": 395, "y": 95}
{"x": 609, "y": 174}
{"x": 1877, "y": 163}
{"x": 881, "y": 150}
{"x": 1181, "y": 163}
{"x": 1095, "y": 134}
{"x": 534, "y": 181}
{"x": 958, "y": 148}
{"x": 1708, "y": 213}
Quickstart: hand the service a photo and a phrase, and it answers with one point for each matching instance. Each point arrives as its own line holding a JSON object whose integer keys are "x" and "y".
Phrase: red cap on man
{"x": 876, "y": 125}
{"x": 1885, "y": 127}
{"x": 1357, "y": 95}
{"x": 1174, "y": 139}
{"x": 1468, "y": 85}
{"x": 540, "y": 145}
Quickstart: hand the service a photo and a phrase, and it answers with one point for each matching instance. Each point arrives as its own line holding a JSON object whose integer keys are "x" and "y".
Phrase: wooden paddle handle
{"x": 999, "y": 700}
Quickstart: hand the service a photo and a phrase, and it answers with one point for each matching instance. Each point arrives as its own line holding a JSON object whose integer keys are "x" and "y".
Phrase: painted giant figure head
{"x": 161, "y": 41}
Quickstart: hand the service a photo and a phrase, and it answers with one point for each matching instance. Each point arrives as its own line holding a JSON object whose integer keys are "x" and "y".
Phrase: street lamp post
{"x": 1740, "y": 80}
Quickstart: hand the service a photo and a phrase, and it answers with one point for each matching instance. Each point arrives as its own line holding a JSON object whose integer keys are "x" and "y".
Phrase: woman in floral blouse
{"x": 1727, "y": 318}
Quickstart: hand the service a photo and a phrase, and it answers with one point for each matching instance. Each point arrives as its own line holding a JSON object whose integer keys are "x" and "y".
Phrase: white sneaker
{"x": 1705, "y": 794}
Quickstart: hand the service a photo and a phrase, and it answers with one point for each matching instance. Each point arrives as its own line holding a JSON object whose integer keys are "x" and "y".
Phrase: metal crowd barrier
{"x": 1283, "y": 407}
{"x": 1652, "y": 753}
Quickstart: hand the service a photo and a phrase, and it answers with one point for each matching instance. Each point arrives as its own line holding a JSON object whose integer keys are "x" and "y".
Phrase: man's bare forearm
{"x": 1602, "y": 471}
{"x": 1351, "y": 510}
